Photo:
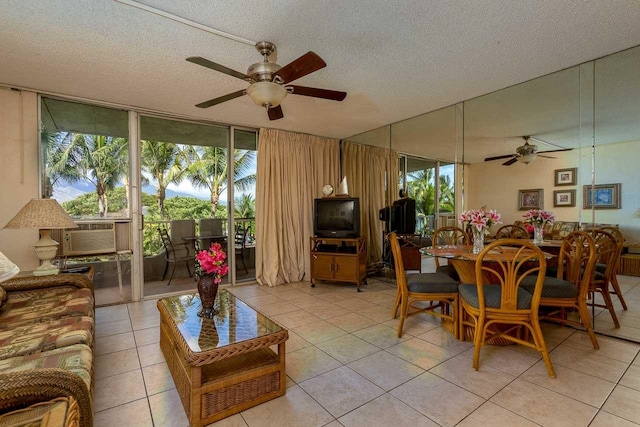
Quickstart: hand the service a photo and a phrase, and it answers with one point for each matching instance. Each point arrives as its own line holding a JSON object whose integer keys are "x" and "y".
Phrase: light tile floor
{"x": 346, "y": 367}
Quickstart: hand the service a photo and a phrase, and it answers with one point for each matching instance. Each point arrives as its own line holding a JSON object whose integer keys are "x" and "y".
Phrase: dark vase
{"x": 207, "y": 289}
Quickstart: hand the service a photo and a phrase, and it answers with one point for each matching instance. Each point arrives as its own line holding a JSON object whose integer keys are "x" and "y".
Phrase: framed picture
{"x": 602, "y": 196}
{"x": 566, "y": 176}
{"x": 563, "y": 198}
{"x": 530, "y": 199}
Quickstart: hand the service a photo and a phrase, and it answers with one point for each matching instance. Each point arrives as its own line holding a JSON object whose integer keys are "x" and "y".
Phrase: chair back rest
{"x": 182, "y": 228}
{"x": 615, "y": 232}
{"x": 450, "y": 236}
{"x": 577, "y": 260}
{"x": 166, "y": 240}
{"x": 401, "y": 278}
{"x": 512, "y": 231}
{"x": 210, "y": 226}
{"x": 606, "y": 250}
{"x": 506, "y": 262}
{"x": 241, "y": 237}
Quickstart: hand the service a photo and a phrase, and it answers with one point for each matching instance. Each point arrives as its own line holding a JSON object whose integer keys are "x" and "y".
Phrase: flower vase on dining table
{"x": 478, "y": 240}
{"x": 537, "y": 233}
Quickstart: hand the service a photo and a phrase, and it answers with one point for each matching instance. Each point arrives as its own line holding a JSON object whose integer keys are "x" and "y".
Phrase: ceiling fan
{"x": 270, "y": 82}
{"x": 526, "y": 153}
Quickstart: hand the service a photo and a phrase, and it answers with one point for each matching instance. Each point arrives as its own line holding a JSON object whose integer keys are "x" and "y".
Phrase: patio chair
{"x": 174, "y": 253}
{"x": 241, "y": 245}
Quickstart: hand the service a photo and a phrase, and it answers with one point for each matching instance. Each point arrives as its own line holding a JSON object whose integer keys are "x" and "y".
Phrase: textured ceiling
{"x": 395, "y": 59}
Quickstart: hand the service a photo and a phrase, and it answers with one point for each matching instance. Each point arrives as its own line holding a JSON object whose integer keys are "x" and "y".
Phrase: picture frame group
{"x": 602, "y": 196}
{"x": 567, "y": 176}
{"x": 564, "y": 198}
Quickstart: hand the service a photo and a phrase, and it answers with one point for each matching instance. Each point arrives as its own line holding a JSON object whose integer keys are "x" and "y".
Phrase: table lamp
{"x": 7, "y": 268}
{"x": 45, "y": 215}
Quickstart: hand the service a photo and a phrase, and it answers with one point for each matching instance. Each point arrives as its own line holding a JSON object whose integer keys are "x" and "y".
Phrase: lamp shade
{"x": 41, "y": 214}
{"x": 266, "y": 93}
{"x": 7, "y": 268}
{"x": 527, "y": 158}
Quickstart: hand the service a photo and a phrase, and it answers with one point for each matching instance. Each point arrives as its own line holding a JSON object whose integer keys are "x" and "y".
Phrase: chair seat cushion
{"x": 450, "y": 271}
{"x": 492, "y": 296}
{"x": 601, "y": 267}
{"x": 552, "y": 287}
{"x": 434, "y": 283}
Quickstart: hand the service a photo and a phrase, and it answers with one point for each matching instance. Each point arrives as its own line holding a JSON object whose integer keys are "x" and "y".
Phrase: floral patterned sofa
{"x": 46, "y": 351}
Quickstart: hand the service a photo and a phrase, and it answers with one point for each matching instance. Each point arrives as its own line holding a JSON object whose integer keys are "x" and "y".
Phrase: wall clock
{"x": 327, "y": 190}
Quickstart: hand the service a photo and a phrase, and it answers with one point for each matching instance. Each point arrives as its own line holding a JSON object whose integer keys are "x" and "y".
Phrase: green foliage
{"x": 86, "y": 205}
{"x": 420, "y": 185}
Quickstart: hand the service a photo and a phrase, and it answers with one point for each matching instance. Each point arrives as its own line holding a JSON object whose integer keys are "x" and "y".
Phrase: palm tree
{"x": 209, "y": 170}
{"x": 98, "y": 159}
{"x": 164, "y": 161}
{"x": 245, "y": 206}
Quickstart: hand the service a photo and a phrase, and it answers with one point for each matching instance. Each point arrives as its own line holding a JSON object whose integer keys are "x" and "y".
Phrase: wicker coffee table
{"x": 224, "y": 365}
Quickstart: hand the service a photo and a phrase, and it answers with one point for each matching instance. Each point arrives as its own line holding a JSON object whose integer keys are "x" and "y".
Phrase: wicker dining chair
{"x": 615, "y": 232}
{"x": 449, "y": 236}
{"x": 440, "y": 290}
{"x": 498, "y": 298}
{"x": 511, "y": 231}
{"x": 569, "y": 289}
{"x": 606, "y": 257}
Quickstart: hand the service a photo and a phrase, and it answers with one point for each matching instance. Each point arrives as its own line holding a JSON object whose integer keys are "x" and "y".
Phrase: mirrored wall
{"x": 584, "y": 122}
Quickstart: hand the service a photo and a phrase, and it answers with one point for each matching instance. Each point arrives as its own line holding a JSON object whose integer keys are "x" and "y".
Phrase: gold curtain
{"x": 292, "y": 168}
{"x": 372, "y": 175}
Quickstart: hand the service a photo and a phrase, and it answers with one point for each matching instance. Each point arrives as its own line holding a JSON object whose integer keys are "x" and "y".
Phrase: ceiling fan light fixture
{"x": 527, "y": 158}
{"x": 263, "y": 93}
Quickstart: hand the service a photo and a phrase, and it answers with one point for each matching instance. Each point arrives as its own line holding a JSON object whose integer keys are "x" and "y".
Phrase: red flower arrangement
{"x": 212, "y": 262}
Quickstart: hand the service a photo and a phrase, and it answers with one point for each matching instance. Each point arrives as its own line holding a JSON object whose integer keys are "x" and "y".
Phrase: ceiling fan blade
{"x": 510, "y": 162}
{"x": 488, "y": 159}
{"x": 306, "y": 64}
{"x": 318, "y": 93}
{"x": 221, "y": 68}
{"x": 555, "y": 151}
{"x": 546, "y": 157}
{"x": 275, "y": 113}
{"x": 221, "y": 99}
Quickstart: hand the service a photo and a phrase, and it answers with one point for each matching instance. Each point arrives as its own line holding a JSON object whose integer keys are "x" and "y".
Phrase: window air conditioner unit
{"x": 89, "y": 239}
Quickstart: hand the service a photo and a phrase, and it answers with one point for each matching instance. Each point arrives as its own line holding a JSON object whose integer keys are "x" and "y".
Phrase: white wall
{"x": 495, "y": 186}
{"x": 18, "y": 171}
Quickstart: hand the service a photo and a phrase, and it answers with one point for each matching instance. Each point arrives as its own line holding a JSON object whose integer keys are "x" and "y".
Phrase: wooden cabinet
{"x": 340, "y": 260}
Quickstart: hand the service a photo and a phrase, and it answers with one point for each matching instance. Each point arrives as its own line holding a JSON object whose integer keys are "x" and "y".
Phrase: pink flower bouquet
{"x": 538, "y": 216}
{"x": 479, "y": 219}
{"x": 212, "y": 262}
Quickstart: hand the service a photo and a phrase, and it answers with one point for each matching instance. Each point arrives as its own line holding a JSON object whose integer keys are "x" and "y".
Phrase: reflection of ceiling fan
{"x": 268, "y": 80}
{"x": 526, "y": 153}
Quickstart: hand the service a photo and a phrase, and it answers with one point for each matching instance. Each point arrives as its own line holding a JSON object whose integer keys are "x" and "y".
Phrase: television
{"x": 336, "y": 217}
{"x": 400, "y": 216}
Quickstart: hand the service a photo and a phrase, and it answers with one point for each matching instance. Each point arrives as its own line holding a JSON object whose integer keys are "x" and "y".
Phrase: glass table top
{"x": 234, "y": 322}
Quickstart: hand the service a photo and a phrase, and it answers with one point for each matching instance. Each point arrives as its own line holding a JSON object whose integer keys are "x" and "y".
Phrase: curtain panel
{"x": 292, "y": 168}
{"x": 372, "y": 175}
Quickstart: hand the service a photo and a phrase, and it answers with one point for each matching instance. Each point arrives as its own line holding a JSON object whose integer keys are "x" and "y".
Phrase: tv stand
{"x": 339, "y": 260}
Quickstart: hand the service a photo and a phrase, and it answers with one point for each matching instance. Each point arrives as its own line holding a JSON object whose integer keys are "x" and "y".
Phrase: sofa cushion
{"x": 45, "y": 305}
{"x": 44, "y": 336}
{"x": 76, "y": 358}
